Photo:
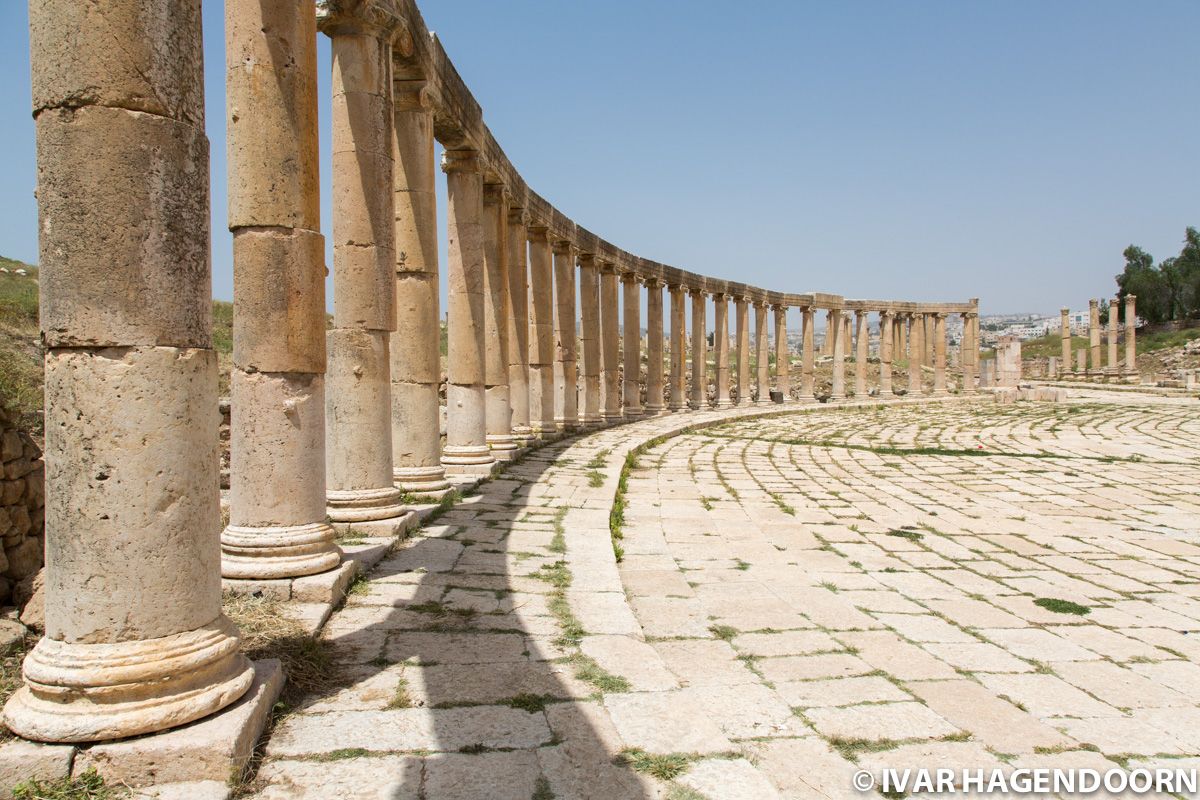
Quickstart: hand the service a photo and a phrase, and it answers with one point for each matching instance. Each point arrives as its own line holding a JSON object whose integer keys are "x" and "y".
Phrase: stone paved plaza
{"x": 800, "y": 596}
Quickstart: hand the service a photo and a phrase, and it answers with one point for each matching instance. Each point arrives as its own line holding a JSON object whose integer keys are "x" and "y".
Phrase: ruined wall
{"x": 22, "y": 509}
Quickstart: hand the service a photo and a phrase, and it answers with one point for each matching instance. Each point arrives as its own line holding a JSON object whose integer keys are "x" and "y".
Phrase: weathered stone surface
{"x": 22, "y": 761}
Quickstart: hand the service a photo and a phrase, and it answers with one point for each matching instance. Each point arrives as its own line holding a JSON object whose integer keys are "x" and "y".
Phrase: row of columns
{"x": 1090, "y": 360}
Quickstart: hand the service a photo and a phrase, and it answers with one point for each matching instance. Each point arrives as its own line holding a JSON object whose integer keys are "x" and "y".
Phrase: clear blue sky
{"x": 932, "y": 150}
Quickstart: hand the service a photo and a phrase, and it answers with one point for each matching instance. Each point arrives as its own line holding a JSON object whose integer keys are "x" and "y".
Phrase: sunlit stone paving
{"x": 964, "y": 585}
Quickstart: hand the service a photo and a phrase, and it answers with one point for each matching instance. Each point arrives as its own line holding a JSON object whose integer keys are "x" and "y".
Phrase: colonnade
{"x": 331, "y": 423}
{"x": 1090, "y": 361}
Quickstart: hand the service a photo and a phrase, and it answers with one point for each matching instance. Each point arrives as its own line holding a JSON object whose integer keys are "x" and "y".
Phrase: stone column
{"x": 927, "y": 338}
{"x": 808, "y": 361}
{"x": 610, "y": 343}
{"x": 135, "y": 640}
{"x": 847, "y": 335}
{"x": 632, "y": 344}
{"x": 415, "y": 348}
{"x": 743, "y": 351}
{"x": 970, "y": 353}
{"x": 1065, "y": 335}
{"x": 886, "y": 343}
{"x": 839, "y": 355}
{"x": 277, "y": 525}
{"x": 654, "y": 346}
{"x": 466, "y": 450}
{"x": 566, "y": 368}
{"x": 589, "y": 335}
{"x": 762, "y": 370}
{"x": 518, "y": 326}
{"x": 541, "y": 333}
{"x": 496, "y": 302}
{"x": 1094, "y": 335}
{"x": 678, "y": 348}
{"x": 1113, "y": 312}
{"x": 1131, "y": 334}
{"x": 699, "y": 398}
{"x": 915, "y": 348}
{"x": 861, "y": 340}
{"x": 939, "y": 354}
{"x": 721, "y": 349}
{"x": 783, "y": 380}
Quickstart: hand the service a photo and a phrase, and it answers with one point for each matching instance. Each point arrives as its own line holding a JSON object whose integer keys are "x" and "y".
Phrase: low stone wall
{"x": 22, "y": 511}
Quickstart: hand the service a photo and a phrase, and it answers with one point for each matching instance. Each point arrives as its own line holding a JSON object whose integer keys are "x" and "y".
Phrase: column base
{"x": 611, "y": 417}
{"x": 466, "y": 455}
{"x": 282, "y": 551}
{"x": 590, "y": 421}
{"x": 503, "y": 447}
{"x": 723, "y": 403}
{"x": 654, "y": 411}
{"x": 95, "y": 692}
{"x": 363, "y": 505}
{"x": 523, "y": 434}
{"x": 421, "y": 480}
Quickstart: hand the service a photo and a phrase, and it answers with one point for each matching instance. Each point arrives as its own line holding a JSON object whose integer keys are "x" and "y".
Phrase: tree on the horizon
{"x": 1166, "y": 291}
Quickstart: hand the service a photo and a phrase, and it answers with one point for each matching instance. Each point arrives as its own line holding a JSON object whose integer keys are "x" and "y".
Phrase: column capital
{"x": 536, "y": 232}
{"x": 495, "y": 193}
{"x": 370, "y": 17}
{"x": 779, "y": 307}
{"x": 1065, "y": 310}
{"x": 607, "y": 267}
{"x": 461, "y": 161}
{"x": 630, "y": 277}
{"x": 1129, "y": 297}
{"x": 693, "y": 291}
{"x": 587, "y": 258}
{"x": 517, "y": 215}
{"x": 653, "y": 282}
{"x": 412, "y": 95}
{"x": 562, "y": 247}
{"x": 1093, "y": 303}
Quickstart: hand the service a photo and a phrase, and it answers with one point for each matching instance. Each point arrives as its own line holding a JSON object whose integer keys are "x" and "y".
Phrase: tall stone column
{"x": 678, "y": 376}
{"x": 721, "y": 349}
{"x": 743, "y": 351}
{"x": 496, "y": 302}
{"x": 762, "y": 370}
{"x": 1065, "y": 334}
{"x": 1130, "y": 334}
{"x": 654, "y": 346}
{"x": 916, "y": 324}
{"x": 134, "y": 640}
{"x": 927, "y": 338}
{"x": 939, "y": 354}
{"x": 1113, "y": 312}
{"x": 541, "y": 333}
{"x": 808, "y": 361}
{"x": 1094, "y": 335}
{"x": 886, "y": 343}
{"x": 632, "y": 344}
{"x": 610, "y": 342}
{"x": 518, "y": 325}
{"x": 566, "y": 368}
{"x": 783, "y": 380}
{"x": 838, "y": 391}
{"x": 847, "y": 335}
{"x": 970, "y": 354}
{"x": 277, "y": 525}
{"x": 466, "y": 450}
{"x": 589, "y": 335}
{"x": 699, "y": 398}
{"x": 415, "y": 350}
{"x": 861, "y": 340}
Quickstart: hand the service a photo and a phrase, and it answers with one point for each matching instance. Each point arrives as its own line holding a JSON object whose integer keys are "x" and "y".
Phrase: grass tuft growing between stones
{"x": 542, "y": 790}
{"x": 905, "y": 533}
{"x": 595, "y": 478}
{"x": 664, "y": 767}
{"x": 851, "y": 746}
{"x": 267, "y": 633}
{"x": 1059, "y": 606}
{"x": 401, "y": 697}
{"x": 586, "y": 669}
{"x": 558, "y": 544}
{"x": 88, "y": 786}
{"x": 726, "y": 632}
{"x": 531, "y": 703}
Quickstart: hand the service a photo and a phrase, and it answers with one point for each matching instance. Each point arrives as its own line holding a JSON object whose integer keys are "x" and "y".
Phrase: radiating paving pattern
{"x": 864, "y": 585}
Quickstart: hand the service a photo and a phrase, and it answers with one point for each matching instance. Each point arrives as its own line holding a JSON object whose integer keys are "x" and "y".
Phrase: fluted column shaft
{"x": 916, "y": 327}
{"x": 518, "y": 325}
{"x": 699, "y": 396}
{"x": 721, "y": 349}
{"x": 1065, "y": 334}
{"x": 1130, "y": 334}
{"x": 808, "y": 359}
{"x": 1113, "y": 312}
{"x": 861, "y": 340}
{"x": 277, "y": 518}
{"x": 1094, "y": 335}
{"x": 678, "y": 376}
{"x": 886, "y": 343}
{"x": 496, "y": 302}
{"x": 939, "y": 354}
{"x": 541, "y": 332}
{"x": 762, "y": 370}
{"x": 839, "y": 354}
{"x": 654, "y": 347}
{"x": 743, "y": 351}
{"x": 783, "y": 379}
{"x": 610, "y": 342}
{"x": 415, "y": 349}
{"x": 589, "y": 335}
{"x": 566, "y": 367}
{"x": 466, "y": 448}
{"x": 632, "y": 344}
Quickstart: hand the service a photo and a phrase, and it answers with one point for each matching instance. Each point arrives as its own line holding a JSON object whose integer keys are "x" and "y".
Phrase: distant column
{"x": 970, "y": 353}
{"x": 1130, "y": 334}
{"x": 916, "y": 324}
{"x": 742, "y": 323}
{"x": 886, "y": 342}
{"x": 541, "y": 332}
{"x": 1113, "y": 312}
{"x": 566, "y": 367}
{"x": 589, "y": 335}
{"x": 939, "y": 354}
{"x": 678, "y": 348}
{"x": 762, "y": 366}
{"x": 1094, "y": 335}
{"x": 1065, "y": 334}
{"x": 808, "y": 361}
{"x": 496, "y": 302}
{"x": 838, "y": 391}
{"x": 861, "y": 340}
{"x": 721, "y": 349}
{"x": 610, "y": 342}
{"x": 654, "y": 346}
{"x": 633, "y": 344}
{"x": 466, "y": 448}
{"x": 783, "y": 379}
{"x": 518, "y": 325}
{"x": 699, "y": 398}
